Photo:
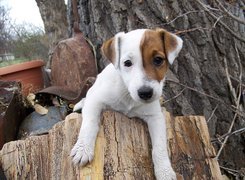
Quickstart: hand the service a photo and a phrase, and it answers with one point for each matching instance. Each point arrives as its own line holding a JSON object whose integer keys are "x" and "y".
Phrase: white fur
{"x": 116, "y": 88}
{"x": 172, "y": 55}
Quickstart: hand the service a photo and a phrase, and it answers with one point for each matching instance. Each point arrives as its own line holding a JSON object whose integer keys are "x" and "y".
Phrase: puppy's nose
{"x": 145, "y": 92}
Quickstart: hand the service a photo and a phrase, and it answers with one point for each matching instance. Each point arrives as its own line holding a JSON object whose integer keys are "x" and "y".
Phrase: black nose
{"x": 145, "y": 92}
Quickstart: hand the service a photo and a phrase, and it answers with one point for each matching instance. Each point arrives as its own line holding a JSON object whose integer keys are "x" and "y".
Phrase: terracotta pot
{"x": 28, "y": 73}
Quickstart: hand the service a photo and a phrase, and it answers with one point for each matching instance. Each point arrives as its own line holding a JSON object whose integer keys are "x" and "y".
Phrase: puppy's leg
{"x": 83, "y": 151}
{"x": 79, "y": 105}
{"x": 161, "y": 161}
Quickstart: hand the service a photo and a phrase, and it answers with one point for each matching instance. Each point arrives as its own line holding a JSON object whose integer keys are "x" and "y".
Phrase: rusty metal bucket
{"x": 73, "y": 66}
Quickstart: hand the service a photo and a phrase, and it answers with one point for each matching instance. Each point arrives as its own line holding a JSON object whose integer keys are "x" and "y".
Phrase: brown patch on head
{"x": 108, "y": 50}
{"x": 169, "y": 41}
{"x": 152, "y": 45}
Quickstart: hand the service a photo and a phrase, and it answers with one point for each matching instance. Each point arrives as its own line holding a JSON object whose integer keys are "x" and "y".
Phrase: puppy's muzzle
{"x": 145, "y": 93}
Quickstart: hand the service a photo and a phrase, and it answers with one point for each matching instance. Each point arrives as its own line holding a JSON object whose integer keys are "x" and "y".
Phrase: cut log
{"x": 123, "y": 151}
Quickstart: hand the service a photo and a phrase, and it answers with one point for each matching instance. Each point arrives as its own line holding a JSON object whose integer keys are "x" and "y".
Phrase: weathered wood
{"x": 123, "y": 151}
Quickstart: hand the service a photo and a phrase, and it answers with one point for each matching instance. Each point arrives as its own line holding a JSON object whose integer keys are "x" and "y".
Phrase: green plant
{"x": 30, "y": 42}
{"x": 11, "y": 62}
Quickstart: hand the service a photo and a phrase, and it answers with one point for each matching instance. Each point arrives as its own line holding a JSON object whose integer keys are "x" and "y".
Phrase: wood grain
{"x": 123, "y": 151}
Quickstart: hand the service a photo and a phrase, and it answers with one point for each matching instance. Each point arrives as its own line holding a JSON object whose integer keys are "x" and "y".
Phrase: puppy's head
{"x": 142, "y": 57}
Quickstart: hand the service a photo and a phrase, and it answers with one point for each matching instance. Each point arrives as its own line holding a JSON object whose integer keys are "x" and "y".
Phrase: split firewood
{"x": 123, "y": 151}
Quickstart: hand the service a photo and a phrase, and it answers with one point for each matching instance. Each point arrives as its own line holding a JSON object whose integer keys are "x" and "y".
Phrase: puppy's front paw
{"x": 81, "y": 154}
{"x": 166, "y": 173}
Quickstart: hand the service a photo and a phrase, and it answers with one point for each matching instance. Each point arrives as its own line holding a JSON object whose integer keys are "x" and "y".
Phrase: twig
{"x": 236, "y": 98}
{"x": 3, "y": 104}
{"x": 191, "y": 30}
{"x": 218, "y": 19}
{"x": 220, "y": 22}
{"x": 235, "y": 110}
{"x": 229, "y": 14}
{"x": 226, "y": 138}
{"x": 181, "y": 15}
{"x": 233, "y": 172}
{"x": 239, "y": 131}
{"x": 232, "y": 90}
{"x": 241, "y": 72}
{"x": 210, "y": 117}
{"x": 174, "y": 97}
{"x": 237, "y": 80}
{"x": 193, "y": 89}
{"x": 208, "y": 7}
{"x": 228, "y": 169}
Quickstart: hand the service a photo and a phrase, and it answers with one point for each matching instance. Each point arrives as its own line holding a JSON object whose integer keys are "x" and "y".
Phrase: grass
{"x": 11, "y": 62}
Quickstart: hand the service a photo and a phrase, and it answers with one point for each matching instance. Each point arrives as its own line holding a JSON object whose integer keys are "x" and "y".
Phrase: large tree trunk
{"x": 54, "y": 16}
{"x": 53, "y": 13}
{"x": 198, "y": 82}
{"x": 123, "y": 151}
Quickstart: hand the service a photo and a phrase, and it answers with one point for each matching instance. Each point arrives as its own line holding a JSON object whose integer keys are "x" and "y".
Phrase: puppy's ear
{"x": 112, "y": 49}
{"x": 172, "y": 44}
{"x": 108, "y": 49}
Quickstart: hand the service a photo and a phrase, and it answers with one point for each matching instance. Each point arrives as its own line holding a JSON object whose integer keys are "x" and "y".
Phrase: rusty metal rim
{"x": 60, "y": 91}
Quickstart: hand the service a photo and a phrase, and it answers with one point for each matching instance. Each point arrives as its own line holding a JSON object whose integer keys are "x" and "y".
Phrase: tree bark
{"x": 197, "y": 82}
{"x": 54, "y": 16}
{"x": 123, "y": 151}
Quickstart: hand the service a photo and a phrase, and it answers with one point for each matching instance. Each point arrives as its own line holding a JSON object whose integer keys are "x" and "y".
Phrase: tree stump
{"x": 123, "y": 151}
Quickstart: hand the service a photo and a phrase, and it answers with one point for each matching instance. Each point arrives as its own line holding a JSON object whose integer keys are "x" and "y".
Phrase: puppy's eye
{"x": 158, "y": 61}
{"x": 128, "y": 63}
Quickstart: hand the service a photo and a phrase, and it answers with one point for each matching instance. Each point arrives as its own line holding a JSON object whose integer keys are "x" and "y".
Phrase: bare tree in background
{"x": 20, "y": 38}
{"x": 5, "y": 34}
{"x": 27, "y": 36}
{"x": 207, "y": 78}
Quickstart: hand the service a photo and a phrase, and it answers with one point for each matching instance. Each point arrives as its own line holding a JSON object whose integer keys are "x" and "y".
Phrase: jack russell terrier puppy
{"x": 132, "y": 84}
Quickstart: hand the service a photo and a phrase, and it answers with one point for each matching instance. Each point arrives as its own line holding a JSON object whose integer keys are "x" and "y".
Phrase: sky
{"x": 24, "y": 11}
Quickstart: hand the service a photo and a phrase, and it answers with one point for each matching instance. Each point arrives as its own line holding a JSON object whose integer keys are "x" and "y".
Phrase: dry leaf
{"x": 40, "y": 109}
{"x": 30, "y": 98}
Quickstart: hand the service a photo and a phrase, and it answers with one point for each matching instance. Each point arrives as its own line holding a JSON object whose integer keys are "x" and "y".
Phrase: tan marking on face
{"x": 152, "y": 45}
{"x": 108, "y": 50}
{"x": 170, "y": 41}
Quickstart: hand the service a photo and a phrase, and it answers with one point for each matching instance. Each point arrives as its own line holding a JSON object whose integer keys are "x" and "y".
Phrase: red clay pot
{"x": 28, "y": 73}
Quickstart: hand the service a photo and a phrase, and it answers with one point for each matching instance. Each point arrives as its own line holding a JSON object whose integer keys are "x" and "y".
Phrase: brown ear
{"x": 172, "y": 44}
{"x": 108, "y": 50}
